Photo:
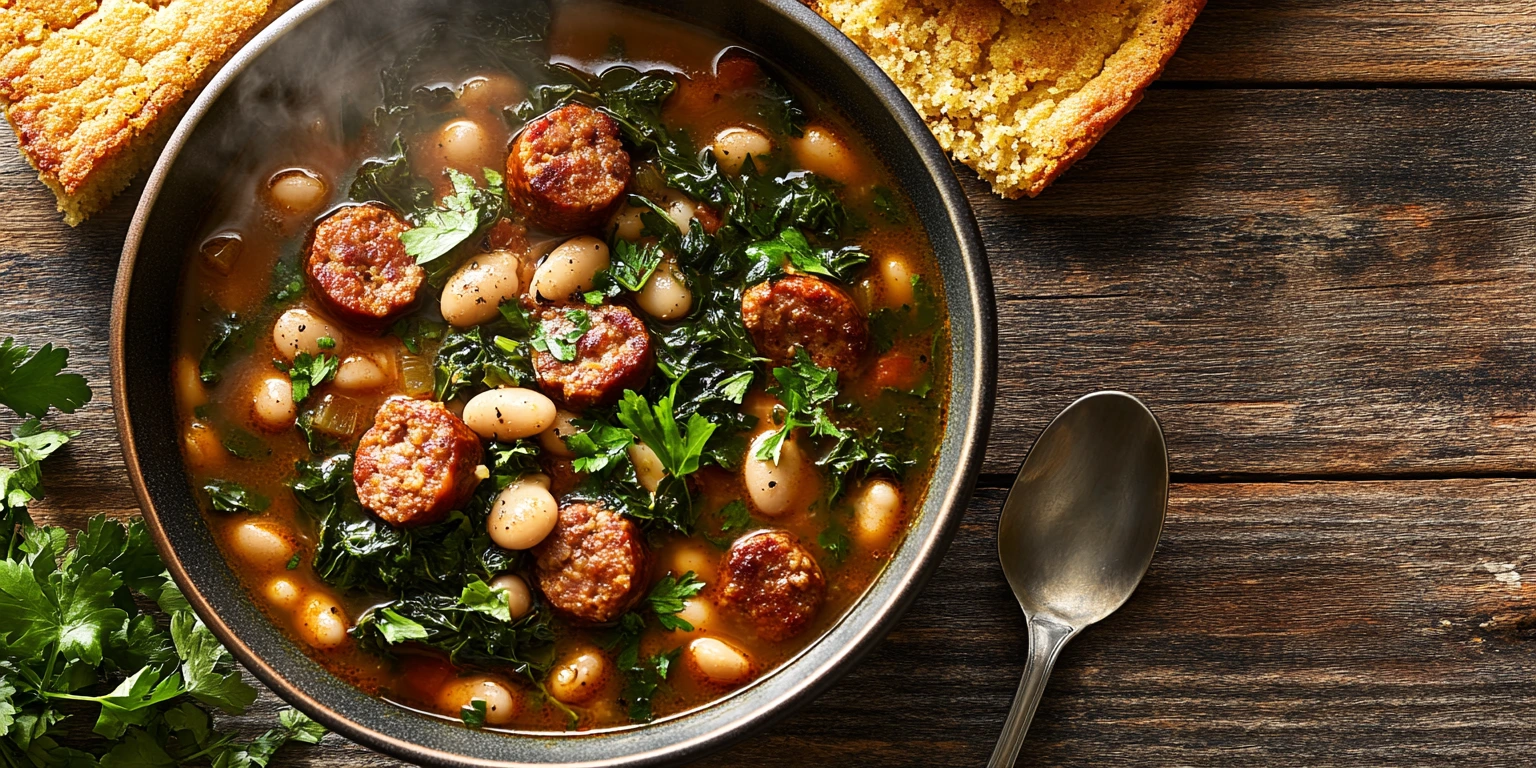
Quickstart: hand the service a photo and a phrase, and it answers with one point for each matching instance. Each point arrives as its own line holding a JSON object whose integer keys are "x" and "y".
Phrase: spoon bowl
{"x": 1078, "y": 531}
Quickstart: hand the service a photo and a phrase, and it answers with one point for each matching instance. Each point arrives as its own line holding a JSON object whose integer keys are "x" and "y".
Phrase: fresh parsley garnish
{"x": 643, "y": 677}
{"x": 834, "y": 540}
{"x": 473, "y": 713}
{"x": 667, "y": 598}
{"x": 598, "y": 445}
{"x": 632, "y": 264}
{"x": 457, "y": 218}
{"x": 679, "y": 447}
{"x": 561, "y": 344}
{"x": 229, "y": 496}
{"x": 768, "y": 258}
{"x": 804, "y": 388}
{"x": 30, "y": 444}
{"x": 309, "y": 371}
{"x": 32, "y": 385}
{"x": 325, "y": 342}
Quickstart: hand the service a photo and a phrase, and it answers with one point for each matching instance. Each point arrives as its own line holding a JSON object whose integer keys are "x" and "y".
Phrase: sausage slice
{"x": 614, "y": 355}
{"x": 592, "y": 566}
{"x": 416, "y": 464}
{"x": 772, "y": 583}
{"x": 568, "y": 169}
{"x": 803, "y": 312}
{"x": 359, "y": 269}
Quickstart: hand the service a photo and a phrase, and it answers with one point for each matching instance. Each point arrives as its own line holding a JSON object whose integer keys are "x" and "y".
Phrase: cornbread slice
{"x": 91, "y": 87}
{"x": 1017, "y": 97}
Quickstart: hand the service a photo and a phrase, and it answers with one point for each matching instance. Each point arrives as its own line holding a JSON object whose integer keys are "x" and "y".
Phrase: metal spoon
{"x": 1078, "y": 531}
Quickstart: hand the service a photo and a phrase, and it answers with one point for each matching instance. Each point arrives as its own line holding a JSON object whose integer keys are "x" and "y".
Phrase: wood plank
{"x": 1309, "y": 282}
{"x": 1310, "y": 623}
{"x": 1355, "y": 41}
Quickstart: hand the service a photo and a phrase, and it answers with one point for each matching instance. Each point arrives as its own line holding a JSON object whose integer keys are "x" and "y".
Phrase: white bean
{"x": 297, "y": 190}
{"x": 647, "y": 465}
{"x": 895, "y": 282}
{"x": 476, "y": 291}
{"x": 323, "y": 623}
{"x": 272, "y": 404}
{"x": 821, "y": 152}
{"x": 466, "y": 146}
{"x": 508, "y": 413}
{"x": 774, "y": 488}
{"x": 666, "y": 296}
{"x": 491, "y": 92}
{"x": 626, "y": 222}
{"x": 283, "y": 592}
{"x": 190, "y": 390}
{"x": 695, "y": 558}
{"x": 202, "y": 447}
{"x": 522, "y": 515}
{"x": 579, "y": 678}
{"x": 570, "y": 269}
{"x": 698, "y": 612}
{"x": 359, "y": 374}
{"x": 519, "y": 597}
{"x": 501, "y": 702}
{"x": 680, "y": 210}
{"x": 875, "y": 511}
{"x": 553, "y": 439}
{"x": 300, "y": 330}
{"x": 733, "y": 145}
{"x": 718, "y": 661}
{"x": 263, "y": 546}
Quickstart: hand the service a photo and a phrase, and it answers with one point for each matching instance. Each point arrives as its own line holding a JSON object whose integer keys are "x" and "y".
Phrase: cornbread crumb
{"x": 91, "y": 87}
{"x": 1017, "y": 96}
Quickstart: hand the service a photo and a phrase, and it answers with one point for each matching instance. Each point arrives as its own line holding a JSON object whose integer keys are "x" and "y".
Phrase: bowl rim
{"x": 954, "y": 491}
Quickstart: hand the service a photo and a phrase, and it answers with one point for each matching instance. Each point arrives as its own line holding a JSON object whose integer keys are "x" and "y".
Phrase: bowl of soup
{"x": 583, "y": 383}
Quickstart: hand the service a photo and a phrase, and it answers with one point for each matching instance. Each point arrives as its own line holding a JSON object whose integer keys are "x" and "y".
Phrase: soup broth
{"x": 583, "y": 373}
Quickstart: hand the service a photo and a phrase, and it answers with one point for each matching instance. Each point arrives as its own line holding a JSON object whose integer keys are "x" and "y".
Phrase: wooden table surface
{"x": 1312, "y": 251}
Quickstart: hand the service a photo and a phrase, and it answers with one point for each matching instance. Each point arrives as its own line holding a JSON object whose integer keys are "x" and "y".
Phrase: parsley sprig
{"x": 32, "y": 385}
{"x": 457, "y": 217}
{"x": 308, "y": 372}
{"x": 561, "y": 343}
{"x": 806, "y": 389}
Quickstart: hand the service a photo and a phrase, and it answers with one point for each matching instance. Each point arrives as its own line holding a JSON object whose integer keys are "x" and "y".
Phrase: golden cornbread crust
{"x": 1017, "y": 96}
{"x": 91, "y": 87}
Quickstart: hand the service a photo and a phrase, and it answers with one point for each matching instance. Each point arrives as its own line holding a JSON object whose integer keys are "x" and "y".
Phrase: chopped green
{"x": 562, "y": 345}
{"x": 667, "y": 596}
{"x": 473, "y": 713}
{"x": 457, "y": 218}
{"x": 768, "y": 258}
{"x": 493, "y": 602}
{"x": 598, "y": 445}
{"x": 309, "y": 371}
{"x": 325, "y": 342}
{"x": 293, "y": 562}
{"x": 805, "y": 388}
{"x": 679, "y": 448}
{"x": 230, "y": 496}
{"x": 834, "y": 540}
{"x": 886, "y": 203}
{"x": 32, "y": 385}
{"x": 212, "y": 362}
{"x": 632, "y": 264}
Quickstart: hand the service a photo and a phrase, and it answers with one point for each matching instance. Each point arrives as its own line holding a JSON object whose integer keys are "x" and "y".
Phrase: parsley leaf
{"x": 804, "y": 387}
{"x": 209, "y": 670}
{"x": 633, "y": 264}
{"x": 493, "y": 602}
{"x": 679, "y": 448}
{"x": 30, "y": 386}
{"x": 473, "y": 713}
{"x": 398, "y": 629}
{"x": 667, "y": 596}
{"x": 834, "y": 539}
{"x": 24, "y": 484}
{"x": 558, "y": 337}
{"x": 598, "y": 445}
{"x": 212, "y": 363}
{"x": 229, "y": 496}
{"x": 457, "y": 218}
{"x": 768, "y": 258}
{"x": 643, "y": 679}
{"x": 309, "y": 371}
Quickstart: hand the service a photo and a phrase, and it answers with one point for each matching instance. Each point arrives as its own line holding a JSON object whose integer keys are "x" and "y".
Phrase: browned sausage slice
{"x": 592, "y": 567}
{"x": 614, "y": 355}
{"x": 359, "y": 269}
{"x": 803, "y": 312}
{"x": 772, "y": 583}
{"x": 416, "y": 464}
{"x": 568, "y": 170}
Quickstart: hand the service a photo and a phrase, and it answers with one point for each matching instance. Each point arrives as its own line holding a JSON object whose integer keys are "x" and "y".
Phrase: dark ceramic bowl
{"x": 175, "y": 204}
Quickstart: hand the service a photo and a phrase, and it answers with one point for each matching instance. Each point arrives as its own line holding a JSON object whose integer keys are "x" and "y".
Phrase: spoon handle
{"x": 1045, "y": 641}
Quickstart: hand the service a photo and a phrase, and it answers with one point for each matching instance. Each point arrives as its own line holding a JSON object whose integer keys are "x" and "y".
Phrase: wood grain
{"x": 1300, "y": 282}
{"x": 1360, "y": 41}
